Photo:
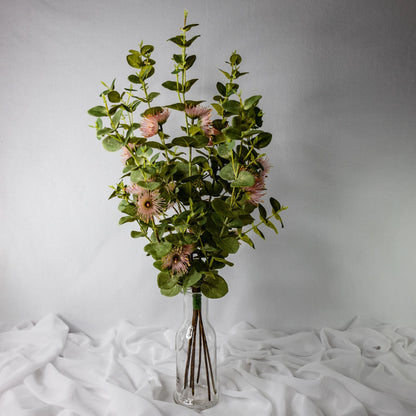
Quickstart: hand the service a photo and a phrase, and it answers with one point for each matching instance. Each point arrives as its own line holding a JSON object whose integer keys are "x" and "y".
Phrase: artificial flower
{"x": 178, "y": 259}
{"x": 149, "y": 205}
{"x": 150, "y": 123}
{"x": 135, "y": 189}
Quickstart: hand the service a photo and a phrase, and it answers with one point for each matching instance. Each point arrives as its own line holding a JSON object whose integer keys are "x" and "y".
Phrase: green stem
{"x": 256, "y": 225}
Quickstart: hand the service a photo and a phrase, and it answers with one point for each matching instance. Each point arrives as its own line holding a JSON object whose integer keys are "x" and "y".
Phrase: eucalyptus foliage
{"x": 201, "y": 182}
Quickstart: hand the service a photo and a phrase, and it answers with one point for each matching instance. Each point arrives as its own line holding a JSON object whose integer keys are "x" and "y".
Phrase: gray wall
{"x": 339, "y": 94}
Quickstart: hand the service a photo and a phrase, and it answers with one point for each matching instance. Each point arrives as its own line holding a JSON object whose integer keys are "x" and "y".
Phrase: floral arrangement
{"x": 196, "y": 196}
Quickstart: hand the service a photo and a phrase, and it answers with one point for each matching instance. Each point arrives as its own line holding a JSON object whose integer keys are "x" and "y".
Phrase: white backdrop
{"x": 339, "y": 94}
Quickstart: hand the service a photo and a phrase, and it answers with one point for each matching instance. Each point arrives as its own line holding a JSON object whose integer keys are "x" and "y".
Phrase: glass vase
{"x": 196, "y": 355}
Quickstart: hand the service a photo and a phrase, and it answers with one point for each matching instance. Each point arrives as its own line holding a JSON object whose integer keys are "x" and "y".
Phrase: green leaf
{"x": 200, "y": 141}
{"x": 146, "y": 72}
{"x": 134, "y": 79}
{"x": 153, "y": 110}
{"x": 187, "y": 27}
{"x": 272, "y": 226}
{"x": 262, "y": 212}
{"x": 117, "y": 117}
{"x": 123, "y": 220}
{"x": 191, "y": 278}
{"x": 145, "y": 49}
{"x": 251, "y": 102}
{"x": 111, "y": 144}
{"x": 239, "y": 74}
{"x": 134, "y": 60}
{"x": 221, "y": 260}
{"x": 214, "y": 286}
{"x": 114, "y": 96}
{"x": 149, "y": 185}
{"x": 227, "y": 75}
{"x": 247, "y": 240}
{"x": 104, "y": 131}
{"x": 232, "y": 133}
{"x": 189, "y": 84}
{"x": 221, "y": 89}
{"x": 172, "y": 85}
{"x": 178, "y": 40}
{"x": 236, "y": 223}
{"x": 235, "y": 59}
{"x": 137, "y": 234}
{"x": 258, "y": 232}
{"x": 136, "y": 176}
{"x": 178, "y": 58}
{"x": 152, "y": 96}
{"x": 227, "y": 172}
{"x": 98, "y": 111}
{"x": 221, "y": 207}
{"x": 262, "y": 140}
{"x": 218, "y": 108}
{"x": 166, "y": 281}
{"x": 177, "y": 106}
{"x": 184, "y": 141}
{"x": 194, "y": 130}
{"x": 158, "y": 250}
{"x": 127, "y": 208}
{"x": 171, "y": 292}
{"x": 158, "y": 264}
{"x": 190, "y": 60}
{"x": 199, "y": 160}
{"x": 225, "y": 150}
{"x": 191, "y": 41}
{"x": 244, "y": 179}
{"x": 275, "y": 205}
{"x": 229, "y": 244}
{"x": 232, "y": 106}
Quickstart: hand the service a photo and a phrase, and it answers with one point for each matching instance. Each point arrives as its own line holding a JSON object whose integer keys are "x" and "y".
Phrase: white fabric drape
{"x": 46, "y": 370}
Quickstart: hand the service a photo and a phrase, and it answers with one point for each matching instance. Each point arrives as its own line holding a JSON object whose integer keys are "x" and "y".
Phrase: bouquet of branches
{"x": 196, "y": 196}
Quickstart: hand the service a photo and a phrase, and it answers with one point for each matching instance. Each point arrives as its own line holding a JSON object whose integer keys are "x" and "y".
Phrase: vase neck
{"x": 194, "y": 300}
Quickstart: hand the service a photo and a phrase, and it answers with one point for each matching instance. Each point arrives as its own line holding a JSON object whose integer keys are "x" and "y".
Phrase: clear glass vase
{"x": 196, "y": 355}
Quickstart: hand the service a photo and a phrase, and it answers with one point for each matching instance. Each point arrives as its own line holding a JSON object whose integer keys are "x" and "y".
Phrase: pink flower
{"x": 178, "y": 259}
{"x": 257, "y": 191}
{"x": 197, "y": 111}
{"x": 207, "y": 127}
{"x": 135, "y": 189}
{"x": 149, "y": 205}
{"x": 150, "y": 123}
{"x": 125, "y": 153}
{"x": 205, "y": 122}
{"x": 265, "y": 164}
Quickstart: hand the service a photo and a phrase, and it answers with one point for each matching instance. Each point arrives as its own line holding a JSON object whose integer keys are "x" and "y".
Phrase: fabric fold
{"x": 45, "y": 370}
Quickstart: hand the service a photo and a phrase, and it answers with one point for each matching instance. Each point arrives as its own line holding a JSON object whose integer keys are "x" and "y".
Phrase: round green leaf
{"x": 262, "y": 140}
{"x": 214, "y": 286}
{"x": 147, "y": 49}
{"x": 227, "y": 172}
{"x": 98, "y": 111}
{"x": 136, "y": 176}
{"x": 114, "y": 96}
{"x": 171, "y": 292}
{"x": 191, "y": 278}
{"x": 166, "y": 281}
{"x": 229, "y": 244}
{"x": 251, "y": 102}
{"x": 111, "y": 144}
{"x": 244, "y": 179}
{"x": 232, "y": 106}
{"x": 134, "y": 79}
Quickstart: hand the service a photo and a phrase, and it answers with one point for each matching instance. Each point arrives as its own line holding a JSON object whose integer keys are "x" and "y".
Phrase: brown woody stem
{"x": 189, "y": 379}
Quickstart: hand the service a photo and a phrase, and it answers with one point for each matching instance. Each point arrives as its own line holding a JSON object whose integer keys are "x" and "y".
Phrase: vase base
{"x": 197, "y": 401}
